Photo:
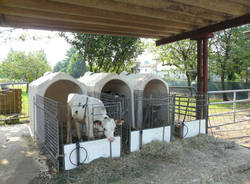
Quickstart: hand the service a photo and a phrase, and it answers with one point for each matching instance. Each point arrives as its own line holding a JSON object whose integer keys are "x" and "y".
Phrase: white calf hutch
{"x": 108, "y": 87}
{"x": 54, "y": 86}
{"x": 146, "y": 87}
{"x": 134, "y": 94}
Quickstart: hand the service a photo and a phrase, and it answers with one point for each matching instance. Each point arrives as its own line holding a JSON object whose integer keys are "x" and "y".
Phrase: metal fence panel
{"x": 230, "y": 119}
{"x": 47, "y": 127}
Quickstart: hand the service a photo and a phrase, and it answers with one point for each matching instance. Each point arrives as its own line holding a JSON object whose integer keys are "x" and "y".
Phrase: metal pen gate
{"x": 230, "y": 119}
{"x": 49, "y": 128}
{"x": 48, "y": 120}
{"x": 125, "y": 128}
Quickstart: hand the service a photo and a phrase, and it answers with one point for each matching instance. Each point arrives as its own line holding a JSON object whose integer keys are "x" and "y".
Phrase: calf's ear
{"x": 119, "y": 121}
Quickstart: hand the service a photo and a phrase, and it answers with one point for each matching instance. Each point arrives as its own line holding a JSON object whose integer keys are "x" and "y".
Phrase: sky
{"x": 54, "y": 46}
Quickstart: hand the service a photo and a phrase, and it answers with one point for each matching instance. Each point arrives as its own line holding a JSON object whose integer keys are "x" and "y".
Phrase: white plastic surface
{"x": 152, "y": 134}
{"x": 193, "y": 128}
{"x": 90, "y": 151}
{"x": 167, "y": 133}
{"x": 135, "y": 141}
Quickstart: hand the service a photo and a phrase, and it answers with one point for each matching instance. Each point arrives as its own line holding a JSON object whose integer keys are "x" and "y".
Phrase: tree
{"x": 105, "y": 53}
{"x": 182, "y": 55}
{"x": 230, "y": 54}
{"x": 19, "y": 66}
{"x": 72, "y": 64}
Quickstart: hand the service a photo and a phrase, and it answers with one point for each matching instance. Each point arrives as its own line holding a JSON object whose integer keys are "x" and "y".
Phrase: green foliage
{"x": 231, "y": 53}
{"x": 72, "y": 64}
{"x": 19, "y": 66}
{"x": 105, "y": 53}
{"x": 182, "y": 55}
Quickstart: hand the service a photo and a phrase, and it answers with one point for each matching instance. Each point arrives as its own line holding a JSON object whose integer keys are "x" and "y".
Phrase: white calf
{"x": 91, "y": 111}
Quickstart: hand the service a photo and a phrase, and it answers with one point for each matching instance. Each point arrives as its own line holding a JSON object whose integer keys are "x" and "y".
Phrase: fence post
{"x": 172, "y": 119}
{"x": 234, "y": 105}
{"x": 34, "y": 118}
{"x": 61, "y": 134}
{"x": 206, "y": 110}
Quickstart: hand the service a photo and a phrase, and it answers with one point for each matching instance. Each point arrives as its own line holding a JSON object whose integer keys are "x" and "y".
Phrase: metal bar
{"x": 230, "y": 112}
{"x": 229, "y": 91}
{"x": 172, "y": 126}
{"x": 14, "y": 83}
{"x": 205, "y": 78}
{"x": 234, "y": 105}
{"x": 245, "y": 19}
{"x": 179, "y": 110}
{"x": 199, "y": 78}
{"x": 232, "y": 130}
{"x": 61, "y": 135}
{"x": 230, "y": 123}
{"x": 205, "y": 66}
{"x": 228, "y": 102}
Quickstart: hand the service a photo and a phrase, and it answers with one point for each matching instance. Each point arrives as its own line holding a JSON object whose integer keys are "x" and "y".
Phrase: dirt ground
{"x": 20, "y": 160}
{"x": 198, "y": 160}
{"x": 237, "y": 132}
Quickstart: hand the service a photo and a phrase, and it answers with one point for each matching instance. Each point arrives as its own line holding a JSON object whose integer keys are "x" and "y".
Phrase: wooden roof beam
{"x": 78, "y": 26}
{"x": 243, "y": 2}
{"x": 83, "y": 19}
{"x": 66, "y": 29}
{"x": 180, "y": 8}
{"x": 121, "y": 7}
{"x": 245, "y": 19}
{"x": 56, "y": 7}
{"x": 224, "y": 6}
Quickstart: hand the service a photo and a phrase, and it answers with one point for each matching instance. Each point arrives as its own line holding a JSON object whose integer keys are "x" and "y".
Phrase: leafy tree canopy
{"x": 230, "y": 54}
{"x": 105, "y": 53}
{"x": 182, "y": 55}
{"x": 19, "y": 66}
{"x": 72, "y": 64}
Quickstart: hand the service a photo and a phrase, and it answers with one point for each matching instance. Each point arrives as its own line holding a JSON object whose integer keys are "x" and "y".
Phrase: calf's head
{"x": 107, "y": 126}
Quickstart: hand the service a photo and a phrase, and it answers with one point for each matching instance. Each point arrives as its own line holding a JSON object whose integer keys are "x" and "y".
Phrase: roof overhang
{"x": 162, "y": 19}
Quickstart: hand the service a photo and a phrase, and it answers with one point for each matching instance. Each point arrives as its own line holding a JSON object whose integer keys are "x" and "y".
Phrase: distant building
{"x": 155, "y": 67}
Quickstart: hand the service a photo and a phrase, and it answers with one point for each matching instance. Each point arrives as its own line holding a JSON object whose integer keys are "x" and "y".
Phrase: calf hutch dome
{"x": 146, "y": 87}
{"x": 110, "y": 87}
{"x": 54, "y": 86}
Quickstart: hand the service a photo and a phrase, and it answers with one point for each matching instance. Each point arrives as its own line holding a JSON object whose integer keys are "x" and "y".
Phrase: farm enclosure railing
{"x": 230, "y": 119}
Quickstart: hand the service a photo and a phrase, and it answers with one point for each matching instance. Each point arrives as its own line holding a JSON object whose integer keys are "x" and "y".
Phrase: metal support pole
{"x": 234, "y": 106}
{"x": 205, "y": 80}
{"x": 199, "y": 109}
{"x": 172, "y": 126}
{"x": 205, "y": 72}
{"x": 199, "y": 66}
